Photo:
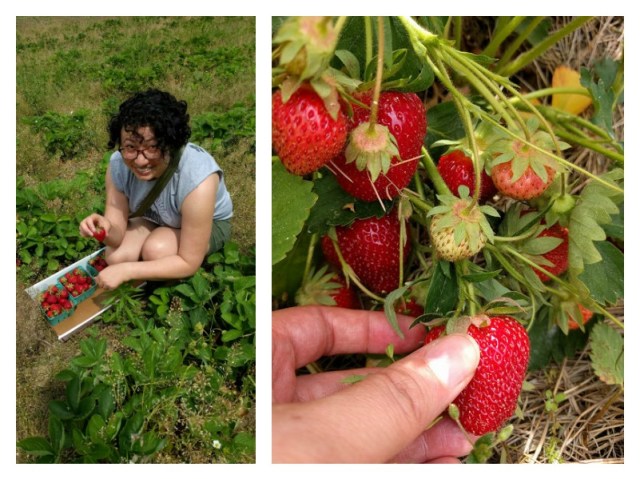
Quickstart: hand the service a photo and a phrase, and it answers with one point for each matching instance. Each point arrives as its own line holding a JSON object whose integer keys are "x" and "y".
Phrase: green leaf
{"x": 56, "y": 434}
{"x": 596, "y": 206}
{"x": 335, "y": 207}
{"x": 36, "y": 446}
{"x": 549, "y": 343}
{"x": 61, "y": 410}
{"x": 442, "y": 295}
{"x": 292, "y": 200}
{"x": 605, "y": 279}
{"x": 600, "y": 83}
{"x": 444, "y": 124}
{"x": 607, "y": 354}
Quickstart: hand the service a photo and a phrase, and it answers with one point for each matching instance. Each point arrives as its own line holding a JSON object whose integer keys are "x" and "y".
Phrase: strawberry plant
{"x": 458, "y": 182}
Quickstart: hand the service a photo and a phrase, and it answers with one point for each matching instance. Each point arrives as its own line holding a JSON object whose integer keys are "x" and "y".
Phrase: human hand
{"x": 383, "y": 418}
{"x": 113, "y": 276}
{"x": 92, "y": 223}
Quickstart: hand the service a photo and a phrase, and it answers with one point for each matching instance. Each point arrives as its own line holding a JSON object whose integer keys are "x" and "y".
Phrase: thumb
{"x": 376, "y": 418}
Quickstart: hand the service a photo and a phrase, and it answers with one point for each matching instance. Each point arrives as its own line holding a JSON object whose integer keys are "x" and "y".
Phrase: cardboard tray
{"x": 86, "y": 312}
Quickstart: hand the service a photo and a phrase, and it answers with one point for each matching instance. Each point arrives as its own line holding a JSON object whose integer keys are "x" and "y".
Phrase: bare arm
{"x": 197, "y": 214}
{"x": 115, "y": 219}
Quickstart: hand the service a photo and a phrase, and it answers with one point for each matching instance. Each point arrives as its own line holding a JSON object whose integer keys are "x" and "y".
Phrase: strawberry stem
{"x": 373, "y": 119}
{"x": 348, "y": 273}
{"x": 433, "y": 173}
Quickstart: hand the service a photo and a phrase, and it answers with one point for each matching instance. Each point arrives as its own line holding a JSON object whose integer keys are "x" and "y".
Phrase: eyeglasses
{"x": 149, "y": 152}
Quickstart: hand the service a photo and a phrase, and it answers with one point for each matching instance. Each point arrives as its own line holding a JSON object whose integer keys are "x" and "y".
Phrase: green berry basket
{"x": 53, "y": 320}
{"x": 76, "y": 300}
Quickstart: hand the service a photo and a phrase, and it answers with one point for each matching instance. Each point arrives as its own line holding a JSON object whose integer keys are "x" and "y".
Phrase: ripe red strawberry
{"x": 371, "y": 247}
{"x": 491, "y": 397}
{"x": 559, "y": 256}
{"x": 304, "y": 135}
{"x": 99, "y": 234}
{"x": 405, "y": 117}
{"x": 456, "y": 169}
{"x": 328, "y": 289}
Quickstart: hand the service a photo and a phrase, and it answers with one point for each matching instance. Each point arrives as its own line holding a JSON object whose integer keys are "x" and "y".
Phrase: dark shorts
{"x": 220, "y": 234}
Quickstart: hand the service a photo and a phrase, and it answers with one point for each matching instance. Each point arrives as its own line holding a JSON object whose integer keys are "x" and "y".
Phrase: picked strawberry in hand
{"x": 100, "y": 234}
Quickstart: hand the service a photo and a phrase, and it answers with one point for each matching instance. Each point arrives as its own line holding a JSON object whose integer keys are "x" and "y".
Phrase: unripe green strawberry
{"x": 458, "y": 227}
{"x": 490, "y": 399}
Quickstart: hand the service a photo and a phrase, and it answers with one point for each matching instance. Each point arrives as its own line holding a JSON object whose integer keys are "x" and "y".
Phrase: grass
{"x": 67, "y": 65}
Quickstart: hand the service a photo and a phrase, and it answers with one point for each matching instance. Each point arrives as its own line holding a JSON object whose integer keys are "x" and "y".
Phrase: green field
{"x": 169, "y": 376}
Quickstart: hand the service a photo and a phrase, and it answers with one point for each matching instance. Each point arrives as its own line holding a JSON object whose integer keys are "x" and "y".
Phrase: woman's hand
{"x": 113, "y": 276}
{"x": 93, "y": 223}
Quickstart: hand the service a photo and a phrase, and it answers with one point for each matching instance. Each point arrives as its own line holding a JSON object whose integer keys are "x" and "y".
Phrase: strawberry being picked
{"x": 100, "y": 234}
{"x": 380, "y": 161}
{"x": 490, "y": 399}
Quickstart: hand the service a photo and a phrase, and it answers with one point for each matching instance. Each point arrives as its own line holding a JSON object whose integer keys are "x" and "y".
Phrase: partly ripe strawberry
{"x": 586, "y": 316}
{"x": 304, "y": 134}
{"x": 404, "y": 116}
{"x": 555, "y": 261}
{"x": 371, "y": 247}
{"x": 521, "y": 171}
{"x": 328, "y": 289}
{"x": 459, "y": 228}
{"x": 456, "y": 169}
{"x": 490, "y": 399}
{"x": 527, "y": 186}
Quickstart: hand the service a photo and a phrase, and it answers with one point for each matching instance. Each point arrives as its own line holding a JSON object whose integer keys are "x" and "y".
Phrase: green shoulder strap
{"x": 160, "y": 184}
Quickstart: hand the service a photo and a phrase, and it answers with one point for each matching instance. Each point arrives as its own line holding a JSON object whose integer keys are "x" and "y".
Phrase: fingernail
{"x": 453, "y": 359}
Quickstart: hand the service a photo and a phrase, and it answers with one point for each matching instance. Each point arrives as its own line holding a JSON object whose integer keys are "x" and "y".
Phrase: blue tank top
{"x": 194, "y": 167}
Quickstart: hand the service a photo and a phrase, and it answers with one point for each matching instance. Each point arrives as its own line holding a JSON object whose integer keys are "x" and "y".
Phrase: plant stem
{"x": 459, "y": 102}
{"x": 433, "y": 173}
{"x": 368, "y": 34}
{"x": 531, "y": 55}
{"x": 582, "y": 141}
{"x": 555, "y": 90}
{"x": 310, "y": 251}
{"x": 501, "y": 35}
{"x": 373, "y": 119}
{"x": 513, "y": 47}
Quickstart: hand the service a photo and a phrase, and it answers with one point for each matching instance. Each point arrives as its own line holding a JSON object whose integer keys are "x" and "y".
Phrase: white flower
{"x": 217, "y": 444}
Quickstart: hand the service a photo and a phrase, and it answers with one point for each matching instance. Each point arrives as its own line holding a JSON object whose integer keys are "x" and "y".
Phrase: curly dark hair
{"x": 159, "y": 110}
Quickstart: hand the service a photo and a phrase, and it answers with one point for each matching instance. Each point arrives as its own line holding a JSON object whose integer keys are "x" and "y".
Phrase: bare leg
{"x": 138, "y": 230}
{"x": 162, "y": 242}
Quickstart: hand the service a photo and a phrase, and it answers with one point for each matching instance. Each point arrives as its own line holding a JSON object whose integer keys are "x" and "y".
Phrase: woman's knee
{"x": 120, "y": 255}
{"x": 159, "y": 245}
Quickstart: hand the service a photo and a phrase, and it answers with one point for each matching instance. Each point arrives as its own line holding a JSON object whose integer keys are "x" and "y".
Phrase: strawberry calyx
{"x": 326, "y": 289}
{"x": 305, "y": 46}
{"x": 372, "y": 147}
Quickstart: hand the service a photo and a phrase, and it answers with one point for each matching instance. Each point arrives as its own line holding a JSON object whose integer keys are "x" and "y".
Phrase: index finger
{"x": 308, "y": 333}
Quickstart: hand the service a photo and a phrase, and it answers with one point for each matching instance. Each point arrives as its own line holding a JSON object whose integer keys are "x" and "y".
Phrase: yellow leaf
{"x": 570, "y": 102}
